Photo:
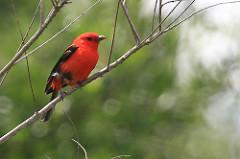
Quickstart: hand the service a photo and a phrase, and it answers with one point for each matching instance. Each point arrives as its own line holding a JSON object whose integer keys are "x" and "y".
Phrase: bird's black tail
{"x": 47, "y": 115}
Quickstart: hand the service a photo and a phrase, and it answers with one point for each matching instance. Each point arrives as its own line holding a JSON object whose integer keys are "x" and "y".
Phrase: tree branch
{"x": 52, "y": 103}
{"x": 41, "y": 12}
{"x": 35, "y": 36}
{"x": 155, "y": 34}
{"x": 114, "y": 33}
{"x": 160, "y": 14}
{"x": 132, "y": 26}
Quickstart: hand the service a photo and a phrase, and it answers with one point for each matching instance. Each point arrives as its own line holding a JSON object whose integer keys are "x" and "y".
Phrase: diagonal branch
{"x": 34, "y": 37}
{"x": 41, "y": 12}
{"x": 114, "y": 33}
{"x": 132, "y": 26}
{"x": 52, "y": 103}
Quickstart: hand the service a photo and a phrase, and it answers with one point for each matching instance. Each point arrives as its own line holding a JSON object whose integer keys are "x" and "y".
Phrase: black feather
{"x": 56, "y": 69}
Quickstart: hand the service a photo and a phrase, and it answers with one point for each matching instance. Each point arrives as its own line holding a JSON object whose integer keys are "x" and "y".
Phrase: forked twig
{"x": 3, "y": 78}
{"x": 184, "y": 11}
{"x": 21, "y": 34}
{"x": 161, "y": 23}
{"x": 34, "y": 37}
{"x": 113, "y": 35}
{"x": 169, "y": 28}
{"x": 23, "y": 40}
{"x": 130, "y": 22}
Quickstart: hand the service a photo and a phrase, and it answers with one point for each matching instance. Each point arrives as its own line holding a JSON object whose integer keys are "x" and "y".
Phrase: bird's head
{"x": 89, "y": 39}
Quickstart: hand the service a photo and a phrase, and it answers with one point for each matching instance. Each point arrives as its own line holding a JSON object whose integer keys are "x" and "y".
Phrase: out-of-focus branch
{"x": 120, "y": 156}
{"x": 86, "y": 155}
{"x": 81, "y": 146}
{"x": 132, "y": 26}
{"x": 34, "y": 37}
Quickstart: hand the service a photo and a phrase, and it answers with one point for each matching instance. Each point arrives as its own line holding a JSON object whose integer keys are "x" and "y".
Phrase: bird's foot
{"x": 62, "y": 94}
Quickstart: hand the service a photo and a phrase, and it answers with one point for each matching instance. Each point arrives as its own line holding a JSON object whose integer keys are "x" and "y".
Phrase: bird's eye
{"x": 89, "y": 39}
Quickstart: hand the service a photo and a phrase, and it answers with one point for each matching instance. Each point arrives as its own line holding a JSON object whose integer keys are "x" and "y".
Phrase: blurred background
{"x": 177, "y": 98}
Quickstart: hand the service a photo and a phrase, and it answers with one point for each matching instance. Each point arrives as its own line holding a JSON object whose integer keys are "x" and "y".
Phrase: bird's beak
{"x": 101, "y": 37}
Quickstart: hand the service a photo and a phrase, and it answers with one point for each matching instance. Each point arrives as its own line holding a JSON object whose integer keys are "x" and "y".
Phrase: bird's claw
{"x": 62, "y": 95}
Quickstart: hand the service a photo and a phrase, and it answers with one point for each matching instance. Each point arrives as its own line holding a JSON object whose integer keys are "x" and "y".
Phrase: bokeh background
{"x": 177, "y": 98}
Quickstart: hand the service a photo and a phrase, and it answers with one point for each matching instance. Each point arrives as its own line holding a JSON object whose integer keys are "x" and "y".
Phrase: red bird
{"x": 74, "y": 66}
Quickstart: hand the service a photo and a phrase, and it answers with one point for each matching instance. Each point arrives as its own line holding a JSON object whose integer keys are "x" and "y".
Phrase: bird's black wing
{"x": 67, "y": 53}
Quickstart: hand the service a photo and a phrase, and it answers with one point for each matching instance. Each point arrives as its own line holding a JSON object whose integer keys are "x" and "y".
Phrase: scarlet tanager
{"x": 74, "y": 66}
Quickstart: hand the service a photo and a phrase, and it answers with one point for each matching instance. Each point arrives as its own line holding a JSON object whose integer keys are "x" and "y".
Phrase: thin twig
{"x": 168, "y": 15}
{"x": 3, "y": 78}
{"x": 184, "y": 11}
{"x": 29, "y": 26}
{"x": 27, "y": 62}
{"x": 173, "y": 1}
{"x": 113, "y": 35}
{"x": 154, "y": 13}
{"x": 41, "y": 12}
{"x": 167, "y": 29}
{"x": 160, "y": 14}
{"x": 202, "y": 10}
{"x": 25, "y": 37}
{"x": 34, "y": 37}
{"x": 81, "y": 146}
{"x": 157, "y": 28}
{"x": 121, "y": 156}
{"x": 61, "y": 31}
{"x": 130, "y": 22}
{"x": 75, "y": 130}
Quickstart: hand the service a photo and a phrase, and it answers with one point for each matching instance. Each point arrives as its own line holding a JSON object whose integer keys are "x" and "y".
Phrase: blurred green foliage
{"x": 136, "y": 109}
